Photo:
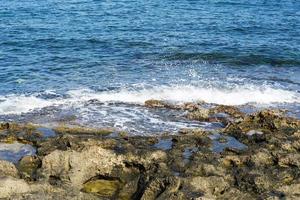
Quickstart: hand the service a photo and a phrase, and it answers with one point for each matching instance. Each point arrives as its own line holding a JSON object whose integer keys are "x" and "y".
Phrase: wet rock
{"x": 63, "y": 129}
{"x": 194, "y": 131}
{"x": 272, "y": 120}
{"x": 230, "y": 110}
{"x": 201, "y": 114}
{"x": 152, "y": 103}
{"x": 8, "y": 169}
{"x": 190, "y": 106}
{"x": 28, "y": 166}
{"x": 11, "y": 186}
{"x": 103, "y": 188}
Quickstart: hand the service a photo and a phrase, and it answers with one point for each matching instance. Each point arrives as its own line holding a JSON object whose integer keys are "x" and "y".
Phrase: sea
{"x": 95, "y": 62}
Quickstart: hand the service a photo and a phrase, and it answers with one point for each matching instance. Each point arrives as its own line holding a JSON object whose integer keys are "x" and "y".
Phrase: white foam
{"x": 236, "y": 96}
{"x": 14, "y": 104}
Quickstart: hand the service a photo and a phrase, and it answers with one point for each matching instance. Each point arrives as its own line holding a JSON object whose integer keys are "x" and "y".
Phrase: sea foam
{"x": 17, "y": 104}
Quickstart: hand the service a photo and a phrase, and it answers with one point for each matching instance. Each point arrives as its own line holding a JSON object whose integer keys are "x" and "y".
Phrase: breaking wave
{"x": 17, "y": 104}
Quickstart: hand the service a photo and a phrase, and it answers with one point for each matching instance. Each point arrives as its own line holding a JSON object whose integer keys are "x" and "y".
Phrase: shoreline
{"x": 252, "y": 156}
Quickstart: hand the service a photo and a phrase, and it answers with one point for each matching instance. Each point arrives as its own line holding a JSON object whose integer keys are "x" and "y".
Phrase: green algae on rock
{"x": 102, "y": 187}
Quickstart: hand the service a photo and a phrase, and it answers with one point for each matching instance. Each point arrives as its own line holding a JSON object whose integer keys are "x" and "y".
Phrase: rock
{"x": 262, "y": 158}
{"x": 78, "y": 167}
{"x": 264, "y": 182}
{"x": 104, "y": 188}
{"x": 152, "y": 103}
{"x": 297, "y": 134}
{"x": 28, "y": 166}
{"x": 266, "y": 121}
{"x": 205, "y": 169}
{"x": 211, "y": 185}
{"x": 162, "y": 188}
{"x": 230, "y": 110}
{"x": 190, "y": 106}
{"x": 4, "y": 126}
{"x": 12, "y": 186}
{"x": 234, "y": 161}
{"x": 292, "y": 159}
{"x": 291, "y": 191}
{"x": 201, "y": 114}
{"x": 8, "y": 169}
{"x": 235, "y": 194}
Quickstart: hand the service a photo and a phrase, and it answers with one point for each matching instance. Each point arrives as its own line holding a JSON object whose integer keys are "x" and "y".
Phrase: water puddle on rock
{"x": 164, "y": 144}
{"x": 220, "y": 142}
{"x": 15, "y": 151}
{"x": 47, "y": 132}
{"x": 188, "y": 152}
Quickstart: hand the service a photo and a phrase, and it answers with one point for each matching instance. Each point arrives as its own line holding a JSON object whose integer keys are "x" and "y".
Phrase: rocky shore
{"x": 255, "y": 156}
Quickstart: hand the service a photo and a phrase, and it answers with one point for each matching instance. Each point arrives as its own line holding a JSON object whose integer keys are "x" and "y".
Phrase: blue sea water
{"x": 98, "y": 60}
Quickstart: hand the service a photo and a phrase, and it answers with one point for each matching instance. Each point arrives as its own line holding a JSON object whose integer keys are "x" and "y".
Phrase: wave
{"x": 236, "y": 60}
{"x": 14, "y": 104}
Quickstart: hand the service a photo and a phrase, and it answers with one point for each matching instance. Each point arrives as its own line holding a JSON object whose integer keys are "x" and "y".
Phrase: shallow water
{"x": 100, "y": 60}
{"x": 220, "y": 143}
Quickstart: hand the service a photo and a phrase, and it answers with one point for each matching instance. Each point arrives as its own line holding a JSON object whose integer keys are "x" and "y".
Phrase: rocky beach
{"x": 253, "y": 156}
{"x": 149, "y": 100}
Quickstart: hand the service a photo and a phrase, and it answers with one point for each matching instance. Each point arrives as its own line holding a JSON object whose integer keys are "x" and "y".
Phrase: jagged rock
{"x": 161, "y": 188}
{"x": 292, "y": 159}
{"x": 265, "y": 122}
{"x": 234, "y": 160}
{"x": 211, "y": 185}
{"x": 230, "y": 110}
{"x": 201, "y": 114}
{"x": 291, "y": 191}
{"x": 8, "y": 169}
{"x": 190, "y": 106}
{"x": 235, "y": 194}
{"x": 262, "y": 158}
{"x": 79, "y": 167}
